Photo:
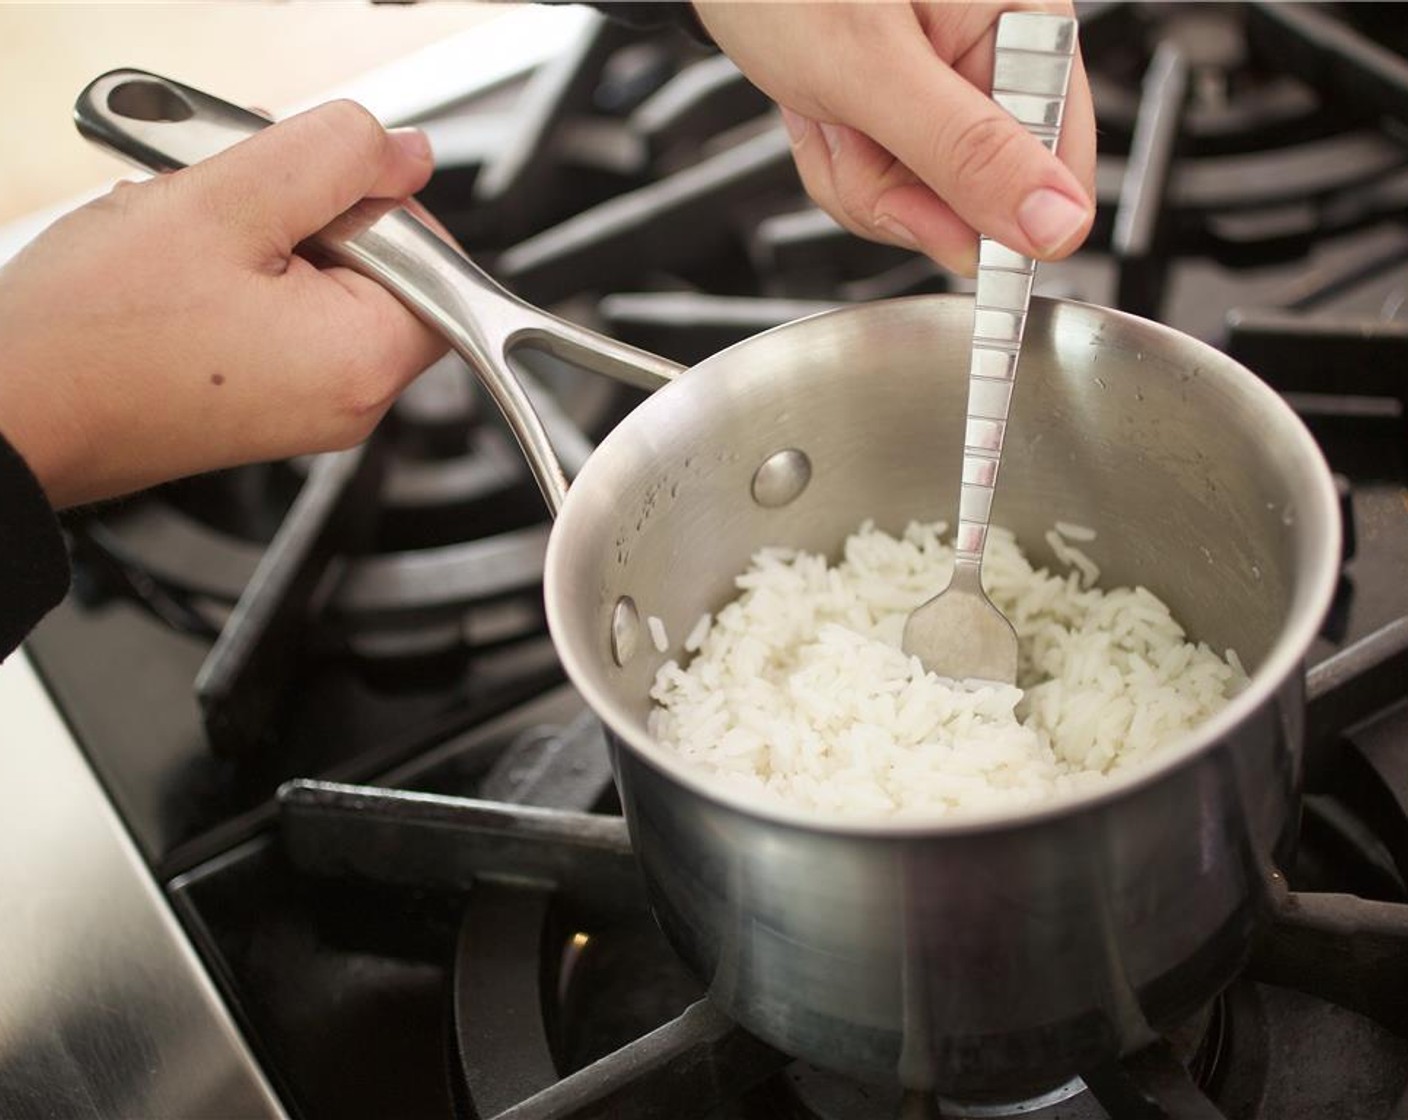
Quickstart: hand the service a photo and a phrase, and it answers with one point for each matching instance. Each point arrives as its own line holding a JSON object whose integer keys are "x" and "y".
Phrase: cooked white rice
{"x": 799, "y": 690}
{"x": 1073, "y": 532}
{"x": 695, "y": 641}
{"x": 659, "y": 637}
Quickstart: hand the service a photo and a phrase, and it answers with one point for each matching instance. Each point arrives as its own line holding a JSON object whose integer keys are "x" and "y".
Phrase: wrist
{"x": 38, "y": 435}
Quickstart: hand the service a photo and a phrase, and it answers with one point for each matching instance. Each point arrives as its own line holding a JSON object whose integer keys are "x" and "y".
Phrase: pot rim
{"x": 1285, "y": 658}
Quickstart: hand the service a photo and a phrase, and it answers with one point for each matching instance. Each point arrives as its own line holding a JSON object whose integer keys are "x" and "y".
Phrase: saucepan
{"x": 1000, "y": 953}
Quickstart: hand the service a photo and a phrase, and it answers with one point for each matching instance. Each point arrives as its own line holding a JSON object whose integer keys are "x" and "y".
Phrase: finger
{"x": 994, "y": 174}
{"x": 970, "y": 31}
{"x": 884, "y": 200}
{"x": 931, "y": 222}
{"x": 288, "y": 181}
{"x": 389, "y": 336}
{"x": 1078, "y": 140}
{"x": 435, "y": 224}
{"x": 813, "y": 160}
{"x": 377, "y": 345}
{"x": 1077, "y": 147}
{"x": 861, "y": 171}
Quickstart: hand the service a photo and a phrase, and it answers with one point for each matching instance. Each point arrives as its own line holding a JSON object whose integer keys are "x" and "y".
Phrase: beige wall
{"x": 259, "y": 53}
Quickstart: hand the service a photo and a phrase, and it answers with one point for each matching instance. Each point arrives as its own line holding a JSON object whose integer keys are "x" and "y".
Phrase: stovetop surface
{"x": 643, "y": 189}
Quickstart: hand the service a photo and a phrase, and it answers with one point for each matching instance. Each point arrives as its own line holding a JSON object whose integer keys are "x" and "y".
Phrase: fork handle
{"x": 1031, "y": 70}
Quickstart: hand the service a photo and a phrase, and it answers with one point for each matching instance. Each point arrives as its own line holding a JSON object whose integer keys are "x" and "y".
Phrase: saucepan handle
{"x": 162, "y": 125}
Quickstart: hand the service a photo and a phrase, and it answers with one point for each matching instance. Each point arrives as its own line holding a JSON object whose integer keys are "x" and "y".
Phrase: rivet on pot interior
{"x": 625, "y": 630}
{"x": 782, "y": 477}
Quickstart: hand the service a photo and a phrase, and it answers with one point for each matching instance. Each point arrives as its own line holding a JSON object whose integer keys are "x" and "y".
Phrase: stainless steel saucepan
{"x": 994, "y": 954}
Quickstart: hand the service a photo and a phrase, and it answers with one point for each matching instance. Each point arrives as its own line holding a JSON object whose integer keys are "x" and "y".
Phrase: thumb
{"x": 293, "y": 178}
{"x": 973, "y": 154}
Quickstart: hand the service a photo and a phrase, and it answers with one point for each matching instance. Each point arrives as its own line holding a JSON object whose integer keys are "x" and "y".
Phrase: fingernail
{"x": 1050, "y": 219}
{"x": 796, "y": 125}
{"x": 832, "y": 135}
{"x": 896, "y": 231}
{"x": 412, "y": 142}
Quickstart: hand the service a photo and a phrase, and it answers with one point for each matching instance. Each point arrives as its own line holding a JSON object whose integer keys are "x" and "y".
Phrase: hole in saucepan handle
{"x": 144, "y": 99}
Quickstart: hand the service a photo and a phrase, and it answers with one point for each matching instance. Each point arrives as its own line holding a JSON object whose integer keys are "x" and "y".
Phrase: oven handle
{"x": 162, "y": 125}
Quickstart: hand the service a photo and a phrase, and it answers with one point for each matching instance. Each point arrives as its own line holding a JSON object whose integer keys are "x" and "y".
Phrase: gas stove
{"x": 320, "y": 696}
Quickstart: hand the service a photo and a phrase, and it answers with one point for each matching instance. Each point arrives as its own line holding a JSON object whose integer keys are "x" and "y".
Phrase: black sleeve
{"x": 647, "y": 14}
{"x": 33, "y": 561}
